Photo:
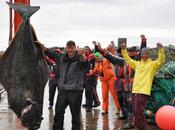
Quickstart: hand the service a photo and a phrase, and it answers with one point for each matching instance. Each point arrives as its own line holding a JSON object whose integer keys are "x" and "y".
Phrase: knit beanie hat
{"x": 97, "y": 54}
{"x": 145, "y": 50}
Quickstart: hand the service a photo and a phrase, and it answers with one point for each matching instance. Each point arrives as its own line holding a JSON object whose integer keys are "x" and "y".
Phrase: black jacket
{"x": 72, "y": 71}
{"x": 91, "y": 80}
{"x": 115, "y": 60}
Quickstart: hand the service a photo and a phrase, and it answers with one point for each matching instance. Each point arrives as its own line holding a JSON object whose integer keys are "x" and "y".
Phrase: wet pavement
{"x": 90, "y": 120}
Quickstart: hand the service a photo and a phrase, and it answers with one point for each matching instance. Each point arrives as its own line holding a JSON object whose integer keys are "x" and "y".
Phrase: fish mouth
{"x": 31, "y": 115}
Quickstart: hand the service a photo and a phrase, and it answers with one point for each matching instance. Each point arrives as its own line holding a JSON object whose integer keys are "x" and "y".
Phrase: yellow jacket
{"x": 144, "y": 71}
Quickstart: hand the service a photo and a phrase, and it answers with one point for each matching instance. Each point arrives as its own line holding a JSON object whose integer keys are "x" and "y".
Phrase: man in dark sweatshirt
{"x": 73, "y": 66}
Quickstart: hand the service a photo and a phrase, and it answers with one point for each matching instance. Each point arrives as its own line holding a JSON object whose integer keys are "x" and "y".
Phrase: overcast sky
{"x": 58, "y": 21}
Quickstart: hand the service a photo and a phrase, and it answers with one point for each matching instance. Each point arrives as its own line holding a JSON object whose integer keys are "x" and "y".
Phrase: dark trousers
{"x": 129, "y": 109}
{"x": 53, "y": 85}
{"x": 72, "y": 99}
{"x": 123, "y": 101}
{"x": 89, "y": 95}
{"x": 95, "y": 97}
{"x": 138, "y": 105}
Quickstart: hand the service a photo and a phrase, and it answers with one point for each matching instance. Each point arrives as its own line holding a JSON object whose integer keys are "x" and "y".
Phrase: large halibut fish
{"x": 24, "y": 71}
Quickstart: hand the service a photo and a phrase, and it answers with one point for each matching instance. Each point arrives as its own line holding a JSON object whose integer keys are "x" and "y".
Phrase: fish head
{"x": 31, "y": 116}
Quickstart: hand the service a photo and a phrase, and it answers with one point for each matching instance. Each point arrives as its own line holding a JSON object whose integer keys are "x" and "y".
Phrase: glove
{"x": 103, "y": 52}
{"x": 88, "y": 74}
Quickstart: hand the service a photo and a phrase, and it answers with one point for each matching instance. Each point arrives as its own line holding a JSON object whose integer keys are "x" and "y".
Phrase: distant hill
{"x": 169, "y": 52}
{"x": 1, "y": 52}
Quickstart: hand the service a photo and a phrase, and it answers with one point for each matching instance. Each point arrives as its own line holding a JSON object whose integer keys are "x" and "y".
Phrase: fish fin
{"x": 25, "y": 11}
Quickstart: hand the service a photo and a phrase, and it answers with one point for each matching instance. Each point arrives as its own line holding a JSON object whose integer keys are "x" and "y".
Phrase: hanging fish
{"x": 24, "y": 71}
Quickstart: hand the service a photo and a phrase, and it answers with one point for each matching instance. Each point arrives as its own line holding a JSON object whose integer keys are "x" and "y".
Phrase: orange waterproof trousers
{"x": 108, "y": 85}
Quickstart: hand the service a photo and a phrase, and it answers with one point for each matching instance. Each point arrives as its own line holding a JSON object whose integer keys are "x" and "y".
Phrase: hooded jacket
{"x": 105, "y": 68}
{"x": 144, "y": 71}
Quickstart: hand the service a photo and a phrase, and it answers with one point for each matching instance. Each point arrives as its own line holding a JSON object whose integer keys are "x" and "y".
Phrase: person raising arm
{"x": 143, "y": 78}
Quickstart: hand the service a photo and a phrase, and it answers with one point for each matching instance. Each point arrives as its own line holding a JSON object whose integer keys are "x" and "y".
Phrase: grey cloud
{"x": 59, "y": 19}
{"x": 117, "y": 13}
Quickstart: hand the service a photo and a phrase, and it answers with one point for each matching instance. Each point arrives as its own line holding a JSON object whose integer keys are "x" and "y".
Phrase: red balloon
{"x": 165, "y": 117}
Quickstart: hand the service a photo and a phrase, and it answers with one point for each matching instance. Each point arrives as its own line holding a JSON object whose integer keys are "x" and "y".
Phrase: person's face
{"x": 98, "y": 59}
{"x": 132, "y": 53}
{"x": 144, "y": 56}
{"x": 86, "y": 51}
{"x": 71, "y": 51}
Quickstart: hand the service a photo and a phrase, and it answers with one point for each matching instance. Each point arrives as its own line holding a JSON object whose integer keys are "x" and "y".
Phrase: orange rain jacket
{"x": 104, "y": 70}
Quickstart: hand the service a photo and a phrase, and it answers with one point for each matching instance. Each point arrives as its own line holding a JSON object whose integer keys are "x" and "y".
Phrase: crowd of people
{"x": 127, "y": 73}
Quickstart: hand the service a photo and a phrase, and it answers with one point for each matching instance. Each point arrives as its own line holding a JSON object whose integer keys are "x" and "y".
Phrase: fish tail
{"x": 25, "y": 11}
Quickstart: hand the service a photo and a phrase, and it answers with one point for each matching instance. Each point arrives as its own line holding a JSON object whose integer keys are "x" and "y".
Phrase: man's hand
{"x": 83, "y": 57}
{"x": 142, "y": 36}
{"x": 79, "y": 50}
{"x": 123, "y": 45}
{"x": 159, "y": 45}
{"x": 94, "y": 42}
{"x": 97, "y": 46}
{"x": 88, "y": 74}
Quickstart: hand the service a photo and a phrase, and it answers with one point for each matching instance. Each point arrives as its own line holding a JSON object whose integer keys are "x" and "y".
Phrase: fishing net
{"x": 163, "y": 90}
